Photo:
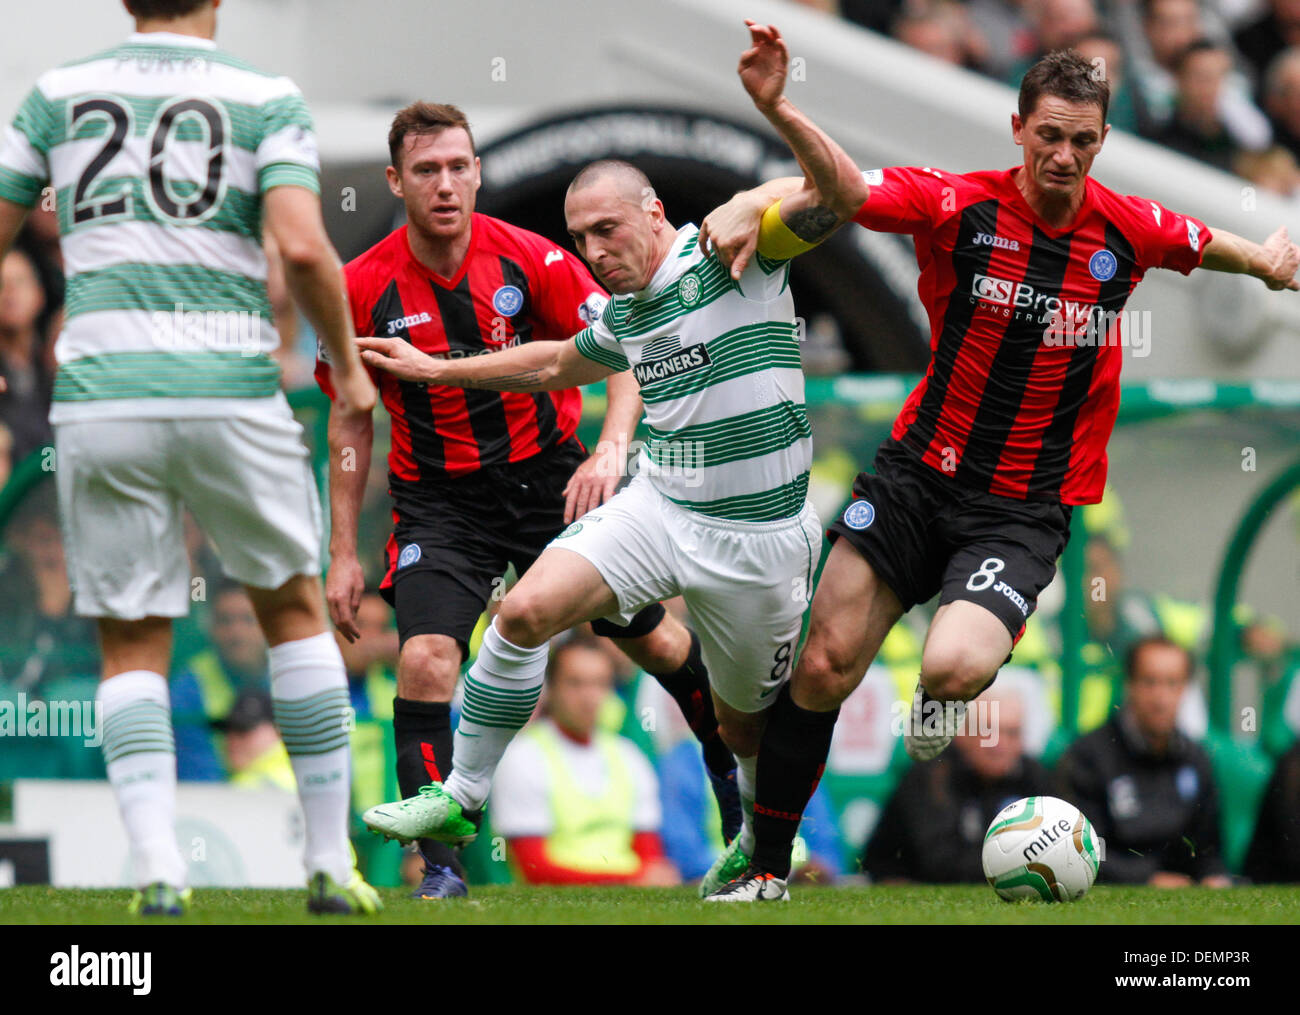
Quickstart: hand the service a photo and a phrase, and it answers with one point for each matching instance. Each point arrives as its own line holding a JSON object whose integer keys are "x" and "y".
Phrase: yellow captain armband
{"x": 776, "y": 240}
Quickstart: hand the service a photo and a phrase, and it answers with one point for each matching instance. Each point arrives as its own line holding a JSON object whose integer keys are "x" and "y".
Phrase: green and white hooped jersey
{"x": 158, "y": 152}
{"x": 719, "y": 370}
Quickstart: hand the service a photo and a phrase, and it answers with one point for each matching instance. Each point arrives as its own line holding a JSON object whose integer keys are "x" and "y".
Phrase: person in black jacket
{"x": 1275, "y": 850}
{"x": 934, "y": 824}
{"x": 1147, "y": 789}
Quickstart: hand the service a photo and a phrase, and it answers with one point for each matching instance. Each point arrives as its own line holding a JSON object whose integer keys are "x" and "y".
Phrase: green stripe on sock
{"x": 316, "y": 724}
{"x": 498, "y": 707}
{"x": 142, "y": 727}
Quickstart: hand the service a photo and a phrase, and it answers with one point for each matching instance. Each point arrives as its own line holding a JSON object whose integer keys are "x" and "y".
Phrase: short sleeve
{"x": 566, "y": 299}
{"x": 905, "y": 199}
{"x": 598, "y": 343}
{"x": 25, "y": 149}
{"x": 647, "y": 815}
{"x": 521, "y": 800}
{"x": 287, "y": 153}
{"x": 1166, "y": 239}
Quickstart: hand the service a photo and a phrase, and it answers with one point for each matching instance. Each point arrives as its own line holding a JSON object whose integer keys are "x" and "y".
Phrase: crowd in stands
{"x": 1217, "y": 81}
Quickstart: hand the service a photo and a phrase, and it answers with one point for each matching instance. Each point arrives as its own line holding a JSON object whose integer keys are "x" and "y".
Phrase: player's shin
{"x": 747, "y": 779}
{"x": 423, "y": 739}
{"x": 501, "y": 691}
{"x": 791, "y": 759}
{"x": 140, "y": 755}
{"x": 309, "y": 692}
{"x": 688, "y": 685}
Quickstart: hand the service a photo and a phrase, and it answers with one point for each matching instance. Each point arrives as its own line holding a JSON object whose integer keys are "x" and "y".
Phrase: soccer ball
{"x": 1041, "y": 848}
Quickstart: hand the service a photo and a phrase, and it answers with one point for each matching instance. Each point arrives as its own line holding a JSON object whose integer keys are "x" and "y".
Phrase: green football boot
{"x": 160, "y": 899}
{"x": 731, "y": 864}
{"x": 356, "y": 898}
{"x": 431, "y": 814}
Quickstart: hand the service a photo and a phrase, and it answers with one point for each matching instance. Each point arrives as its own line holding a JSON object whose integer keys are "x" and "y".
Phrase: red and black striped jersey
{"x": 513, "y": 286}
{"x": 1027, "y": 330}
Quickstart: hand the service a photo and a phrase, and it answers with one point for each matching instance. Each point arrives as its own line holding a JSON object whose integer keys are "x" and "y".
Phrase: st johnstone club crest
{"x": 859, "y": 515}
{"x": 507, "y": 300}
{"x": 1102, "y": 265}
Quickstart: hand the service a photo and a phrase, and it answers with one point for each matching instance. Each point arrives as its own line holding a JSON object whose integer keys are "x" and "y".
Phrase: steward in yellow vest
{"x": 576, "y": 804}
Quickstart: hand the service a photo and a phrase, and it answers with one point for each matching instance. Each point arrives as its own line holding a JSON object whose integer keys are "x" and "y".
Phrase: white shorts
{"x": 746, "y": 584}
{"x": 124, "y": 484}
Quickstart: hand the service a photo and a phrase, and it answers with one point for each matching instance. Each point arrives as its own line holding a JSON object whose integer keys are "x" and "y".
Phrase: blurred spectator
{"x": 578, "y": 805}
{"x": 255, "y": 756}
{"x": 1006, "y": 31}
{"x": 1263, "y": 39}
{"x": 1282, "y": 98}
{"x": 933, "y": 826}
{"x": 1057, "y": 24}
{"x": 25, "y": 404}
{"x": 1275, "y": 850}
{"x": 42, "y": 639}
{"x": 941, "y": 29}
{"x": 1148, "y": 789}
{"x": 1103, "y": 51}
{"x": 1273, "y": 170}
{"x": 1168, "y": 28}
{"x": 208, "y": 683}
{"x": 1207, "y": 124}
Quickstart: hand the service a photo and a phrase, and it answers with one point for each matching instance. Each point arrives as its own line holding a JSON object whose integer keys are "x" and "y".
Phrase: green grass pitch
{"x": 895, "y": 904}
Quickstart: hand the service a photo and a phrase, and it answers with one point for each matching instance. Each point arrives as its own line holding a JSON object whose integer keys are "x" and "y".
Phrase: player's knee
{"x": 428, "y": 667}
{"x": 293, "y": 611}
{"x": 822, "y": 681}
{"x": 740, "y": 734}
{"x": 526, "y": 618}
{"x": 950, "y": 674}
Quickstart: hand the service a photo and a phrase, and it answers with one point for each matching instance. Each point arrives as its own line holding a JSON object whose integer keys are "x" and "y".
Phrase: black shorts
{"x": 922, "y": 534}
{"x": 453, "y": 540}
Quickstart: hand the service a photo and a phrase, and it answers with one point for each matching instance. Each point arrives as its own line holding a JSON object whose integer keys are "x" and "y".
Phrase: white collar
{"x": 169, "y": 39}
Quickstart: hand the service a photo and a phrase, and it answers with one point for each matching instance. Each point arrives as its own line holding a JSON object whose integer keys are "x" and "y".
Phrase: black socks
{"x": 423, "y": 737}
{"x": 791, "y": 759}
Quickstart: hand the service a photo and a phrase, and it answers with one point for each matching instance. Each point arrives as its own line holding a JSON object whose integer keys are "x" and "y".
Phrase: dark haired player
{"x": 479, "y": 479}
{"x": 1024, "y": 273}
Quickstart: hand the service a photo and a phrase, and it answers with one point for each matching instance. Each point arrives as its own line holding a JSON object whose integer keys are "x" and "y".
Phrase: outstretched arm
{"x": 533, "y": 366}
{"x": 810, "y": 209}
{"x": 1274, "y": 262}
{"x": 833, "y": 188}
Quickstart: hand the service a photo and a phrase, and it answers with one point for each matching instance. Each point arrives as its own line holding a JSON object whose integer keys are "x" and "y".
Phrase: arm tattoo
{"x": 525, "y": 380}
{"x": 813, "y": 224}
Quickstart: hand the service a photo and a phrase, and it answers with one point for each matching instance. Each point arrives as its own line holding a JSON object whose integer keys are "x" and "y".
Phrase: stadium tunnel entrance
{"x": 855, "y": 291}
